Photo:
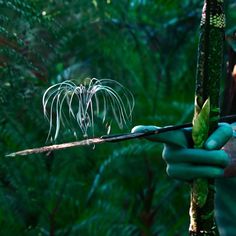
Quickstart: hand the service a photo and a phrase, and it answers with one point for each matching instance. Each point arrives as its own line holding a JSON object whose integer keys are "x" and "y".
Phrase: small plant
{"x": 66, "y": 102}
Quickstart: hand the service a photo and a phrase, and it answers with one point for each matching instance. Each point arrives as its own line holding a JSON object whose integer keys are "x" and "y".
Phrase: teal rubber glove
{"x": 186, "y": 163}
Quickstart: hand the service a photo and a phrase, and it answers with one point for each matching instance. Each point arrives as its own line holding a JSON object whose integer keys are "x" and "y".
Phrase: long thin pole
{"x": 206, "y": 115}
{"x": 110, "y": 138}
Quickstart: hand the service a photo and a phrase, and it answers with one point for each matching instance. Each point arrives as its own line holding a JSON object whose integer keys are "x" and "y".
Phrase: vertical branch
{"x": 206, "y": 115}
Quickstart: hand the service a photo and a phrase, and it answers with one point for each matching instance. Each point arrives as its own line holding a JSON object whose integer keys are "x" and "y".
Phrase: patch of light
{"x": 95, "y": 3}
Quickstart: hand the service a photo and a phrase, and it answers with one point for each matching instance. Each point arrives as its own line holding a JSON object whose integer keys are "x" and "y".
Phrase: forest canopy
{"x": 148, "y": 46}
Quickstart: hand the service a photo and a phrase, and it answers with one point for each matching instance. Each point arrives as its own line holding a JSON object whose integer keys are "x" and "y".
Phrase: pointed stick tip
{"x": 10, "y": 155}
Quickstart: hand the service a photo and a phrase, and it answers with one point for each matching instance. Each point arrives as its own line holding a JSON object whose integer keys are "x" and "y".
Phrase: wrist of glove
{"x": 230, "y": 149}
{"x": 217, "y": 159}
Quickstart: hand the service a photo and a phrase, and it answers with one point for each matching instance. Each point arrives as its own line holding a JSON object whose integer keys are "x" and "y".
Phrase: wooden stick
{"x": 109, "y": 138}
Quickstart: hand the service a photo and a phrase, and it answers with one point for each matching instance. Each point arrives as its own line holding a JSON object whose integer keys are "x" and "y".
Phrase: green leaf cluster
{"x": 113, "y": 189}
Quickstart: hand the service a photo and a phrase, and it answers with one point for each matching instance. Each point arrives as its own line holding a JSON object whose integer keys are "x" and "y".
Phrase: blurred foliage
{"x": 150, "y": 47}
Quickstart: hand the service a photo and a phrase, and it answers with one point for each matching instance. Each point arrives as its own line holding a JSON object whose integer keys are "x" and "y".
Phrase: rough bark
{"x": 206, "y": 115}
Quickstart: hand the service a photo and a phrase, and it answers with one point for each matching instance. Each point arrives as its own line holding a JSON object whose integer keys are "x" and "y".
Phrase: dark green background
{"x": 113, "y": 189}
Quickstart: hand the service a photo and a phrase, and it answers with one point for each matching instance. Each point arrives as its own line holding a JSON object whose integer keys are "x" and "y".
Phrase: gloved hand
{"x": 186, "y": 163}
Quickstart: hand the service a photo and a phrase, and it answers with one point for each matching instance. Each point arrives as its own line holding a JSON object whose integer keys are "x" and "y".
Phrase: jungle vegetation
{"x": 114, "y": 189}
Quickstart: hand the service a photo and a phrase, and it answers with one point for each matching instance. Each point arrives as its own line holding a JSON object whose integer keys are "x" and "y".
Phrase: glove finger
{"x": 196, "y": 156}
{"x": 189, "y": 172}
{"x": 219, "y": 137}
{"x": 176, "y": 137}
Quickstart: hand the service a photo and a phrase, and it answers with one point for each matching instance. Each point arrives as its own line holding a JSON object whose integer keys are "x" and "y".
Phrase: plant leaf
{"x": 201, "y": 125}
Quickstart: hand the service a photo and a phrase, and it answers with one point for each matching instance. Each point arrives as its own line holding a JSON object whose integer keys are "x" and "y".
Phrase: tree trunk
{"x": 206, "y": 115}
